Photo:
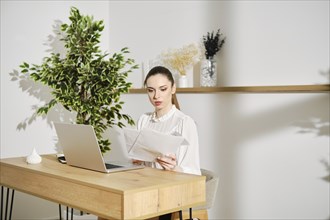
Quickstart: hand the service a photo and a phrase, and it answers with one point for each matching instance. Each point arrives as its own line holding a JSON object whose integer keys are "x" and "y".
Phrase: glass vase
{"x": 208, "y": 74}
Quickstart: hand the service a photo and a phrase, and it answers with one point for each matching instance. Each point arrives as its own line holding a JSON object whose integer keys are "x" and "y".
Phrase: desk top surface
{"x": 119, "y": 182}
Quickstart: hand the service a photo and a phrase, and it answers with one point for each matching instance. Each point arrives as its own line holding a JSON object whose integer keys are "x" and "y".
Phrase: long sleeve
{"x": 188, "y": 155}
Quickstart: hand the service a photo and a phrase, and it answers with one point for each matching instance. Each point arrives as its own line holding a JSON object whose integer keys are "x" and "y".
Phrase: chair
{"x": 200, "y": 212}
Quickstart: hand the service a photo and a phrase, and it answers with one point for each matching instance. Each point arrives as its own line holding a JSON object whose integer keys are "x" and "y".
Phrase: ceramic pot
{"x": 183, "y": 81}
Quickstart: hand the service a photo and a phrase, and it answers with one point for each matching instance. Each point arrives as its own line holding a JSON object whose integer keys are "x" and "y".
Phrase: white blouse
{"x": 175, "y": 122}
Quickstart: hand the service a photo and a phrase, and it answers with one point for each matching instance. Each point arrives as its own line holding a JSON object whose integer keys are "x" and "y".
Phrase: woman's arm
{"x": 188, "y": 155}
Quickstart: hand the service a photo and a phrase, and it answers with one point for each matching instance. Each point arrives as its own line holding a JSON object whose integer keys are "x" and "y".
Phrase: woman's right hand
{"x": 168, "y": 162}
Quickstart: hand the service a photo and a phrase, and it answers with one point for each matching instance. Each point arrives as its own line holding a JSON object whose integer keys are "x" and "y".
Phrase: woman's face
{"x": 160, "y": 92}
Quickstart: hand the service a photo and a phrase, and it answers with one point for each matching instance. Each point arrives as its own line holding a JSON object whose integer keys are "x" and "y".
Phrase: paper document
{"x": 148, "y": 144}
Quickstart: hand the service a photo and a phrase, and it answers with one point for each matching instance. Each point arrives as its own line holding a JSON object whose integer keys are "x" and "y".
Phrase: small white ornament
{"x": 34, "y": 157}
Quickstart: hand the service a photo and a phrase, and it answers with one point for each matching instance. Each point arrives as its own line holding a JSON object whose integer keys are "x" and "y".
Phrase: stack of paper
{"x": 148, "y": 144}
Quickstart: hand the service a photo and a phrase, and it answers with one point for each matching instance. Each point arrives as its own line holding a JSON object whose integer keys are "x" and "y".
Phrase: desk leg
{"x": 4, "y": 214}
{"x": 60, "y": 211}
{"x": 180, "y": 215}
{"x": 67, "y": 212}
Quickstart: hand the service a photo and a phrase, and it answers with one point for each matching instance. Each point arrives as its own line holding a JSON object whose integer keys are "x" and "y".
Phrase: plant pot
{"x": 208, "y": 73}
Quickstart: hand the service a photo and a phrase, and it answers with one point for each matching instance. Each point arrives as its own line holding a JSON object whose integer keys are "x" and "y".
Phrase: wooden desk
{"x": 135, "y": 194}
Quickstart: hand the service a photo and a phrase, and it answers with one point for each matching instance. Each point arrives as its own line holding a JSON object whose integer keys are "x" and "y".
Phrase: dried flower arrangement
{"x": 181, "y": 59}
{"x": 213, "y": 43}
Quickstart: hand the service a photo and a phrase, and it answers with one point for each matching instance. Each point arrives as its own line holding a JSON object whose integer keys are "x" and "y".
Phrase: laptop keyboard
{"x": 111, "y": 166}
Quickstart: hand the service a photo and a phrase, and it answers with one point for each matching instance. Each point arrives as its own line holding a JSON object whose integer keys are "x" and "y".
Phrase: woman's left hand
{"x": 168, "y": 162}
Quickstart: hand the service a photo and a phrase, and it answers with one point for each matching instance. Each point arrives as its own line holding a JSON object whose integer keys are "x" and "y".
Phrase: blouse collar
{"x": 164, "y": 117}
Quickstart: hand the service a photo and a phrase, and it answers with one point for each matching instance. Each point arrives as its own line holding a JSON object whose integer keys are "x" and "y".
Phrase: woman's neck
{"x": 163, "y": 111}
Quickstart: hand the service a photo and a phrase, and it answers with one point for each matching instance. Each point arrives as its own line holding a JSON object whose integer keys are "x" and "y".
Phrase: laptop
{"x": 81, "y": 149}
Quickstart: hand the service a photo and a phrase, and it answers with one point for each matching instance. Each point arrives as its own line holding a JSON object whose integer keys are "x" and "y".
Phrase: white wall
{"x": 270, "y": 150}
{"x": 27, "y": 34}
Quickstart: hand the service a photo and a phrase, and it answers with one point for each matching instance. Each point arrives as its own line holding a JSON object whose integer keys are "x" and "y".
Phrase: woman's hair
{"x": 167, "y": 73}
{"x": 160, "y": 70}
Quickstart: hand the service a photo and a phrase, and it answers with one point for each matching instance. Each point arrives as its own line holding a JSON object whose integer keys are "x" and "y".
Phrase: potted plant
{"x": 86, "y": 81}
{"x": 180, "y": 60}
{"x": 212, "y": 44}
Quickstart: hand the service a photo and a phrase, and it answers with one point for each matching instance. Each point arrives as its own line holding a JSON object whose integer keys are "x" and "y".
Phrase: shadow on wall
{"x": 326, "y": 74}
{"x": 41, "y": 92}
{"x": 319, "y": 126}
{"x": 309, "y": 115}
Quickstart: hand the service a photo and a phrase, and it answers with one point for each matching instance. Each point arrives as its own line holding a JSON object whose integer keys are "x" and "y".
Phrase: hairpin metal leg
{"x": 11, "y": 203}
{"x": 67, "y": 212}
{"x": 60, "y": 211}
{"x": 4, "y": 207}
{"x": 180, "y": 215}
{"x": 1, "y": 208}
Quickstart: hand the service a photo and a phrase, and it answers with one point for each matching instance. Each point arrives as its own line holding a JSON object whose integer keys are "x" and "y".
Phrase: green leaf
{"x": 86, "y": 80}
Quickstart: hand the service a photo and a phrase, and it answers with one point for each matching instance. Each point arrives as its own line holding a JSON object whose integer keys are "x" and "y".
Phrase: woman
{"x": 168, "y": 119}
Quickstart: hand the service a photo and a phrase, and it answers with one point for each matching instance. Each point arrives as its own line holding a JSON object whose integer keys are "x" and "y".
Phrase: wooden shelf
{"x": 249, "y": 89}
